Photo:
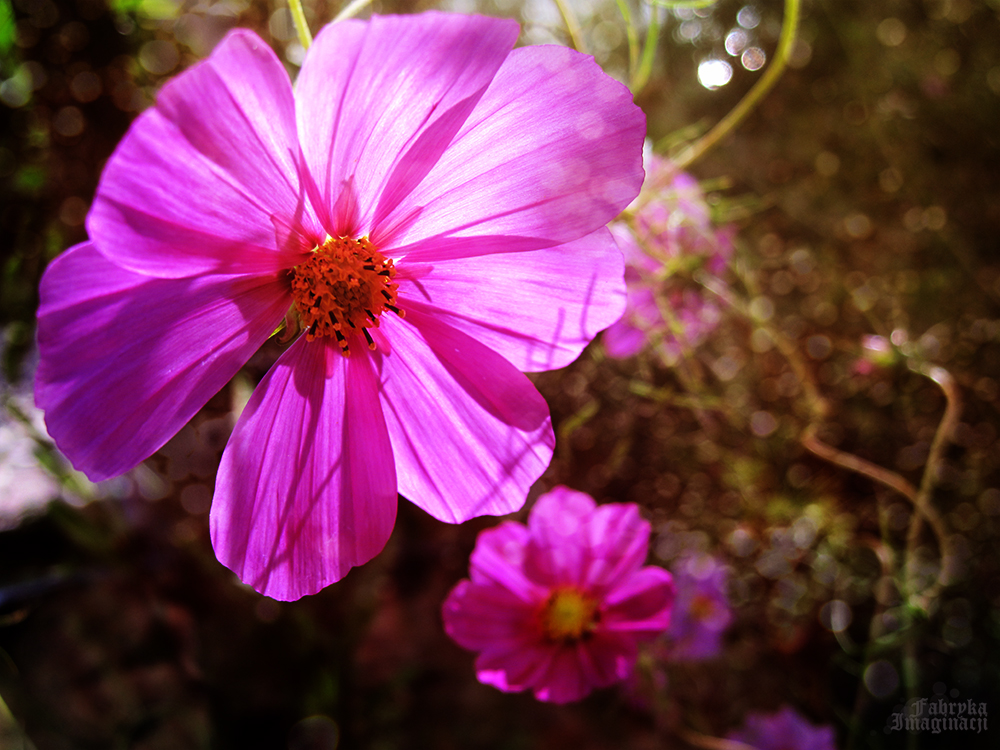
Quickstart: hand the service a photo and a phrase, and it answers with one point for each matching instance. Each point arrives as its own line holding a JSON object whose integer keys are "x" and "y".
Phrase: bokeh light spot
{"x": 753, "y": 58}
{"x": 881, "y": 679}
{"x": 714, "y": 73}
{"x": 748, "y": 17}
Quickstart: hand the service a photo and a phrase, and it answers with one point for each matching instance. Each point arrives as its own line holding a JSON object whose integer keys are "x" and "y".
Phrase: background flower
{"x": 701, "y": 610}
{"x": 783, "y": 730}
{"x": 668, "y": 234}
{"x": 559, "y": 606}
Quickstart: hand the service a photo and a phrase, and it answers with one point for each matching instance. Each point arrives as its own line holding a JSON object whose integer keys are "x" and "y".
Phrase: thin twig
{"x": 945, "y": 430}
{"x": 855, "y": 463}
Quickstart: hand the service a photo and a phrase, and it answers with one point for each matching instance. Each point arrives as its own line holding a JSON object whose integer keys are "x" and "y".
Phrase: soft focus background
{"x": 864, "y": 198}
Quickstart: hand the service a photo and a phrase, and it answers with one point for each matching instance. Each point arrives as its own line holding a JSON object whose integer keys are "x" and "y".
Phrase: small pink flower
{"x": 559, "y": 606}
{"x": 669, "y": 233}
{"x": 426, "y": 200}
{"x": 783, "y": 730}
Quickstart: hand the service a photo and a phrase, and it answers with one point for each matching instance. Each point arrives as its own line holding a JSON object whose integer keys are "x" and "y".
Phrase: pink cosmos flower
{"x": 427, "y": 206}
{"x": 559, "y": 605}
{"x": 669, "y": 233}
{"x": 783, "y": 730}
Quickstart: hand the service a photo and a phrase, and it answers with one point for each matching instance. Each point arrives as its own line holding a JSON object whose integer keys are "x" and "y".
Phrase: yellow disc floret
{"x": 342, "y": 289}
{"x": 567, "y": 615}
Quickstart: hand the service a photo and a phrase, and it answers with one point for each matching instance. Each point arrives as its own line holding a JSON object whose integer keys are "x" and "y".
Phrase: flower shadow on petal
{"x": 126, "y": 360}
{"x": 306, "y": 489}
{"x": 470, "y": 433}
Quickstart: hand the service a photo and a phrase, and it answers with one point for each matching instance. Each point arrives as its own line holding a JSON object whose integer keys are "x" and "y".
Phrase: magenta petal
{"x": 623, "y": 340}
{"x": 537, "y": 309}
{"x": 486, "y": 616}
{"x": 617, "y": 544}
{"x": 379, "y": 101}
{"x": 126, "y": 360}
{"x": 515, "y": 668}
{"x": 608, "y": 658}
{"x": 306, "y": 489}
{"x": 470, "y": 433}
{"x": 565, "y": 680}
{"x": 641, "y": 605}
{"x": 552, "y": 152}
{"x": 556, "y": 552}
{"x": 204, "y": 180}
{"x": 498, "y": 559}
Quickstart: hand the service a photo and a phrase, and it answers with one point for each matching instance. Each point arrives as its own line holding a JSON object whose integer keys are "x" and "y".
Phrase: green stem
{"x": 641, "y": 75}
{"x": 351, "y": 10}
{"x": 299, "y": 19}
{"x": 754, "y": 96}
{"x": 572, "y": 26}
{"x": 633, "y": 39}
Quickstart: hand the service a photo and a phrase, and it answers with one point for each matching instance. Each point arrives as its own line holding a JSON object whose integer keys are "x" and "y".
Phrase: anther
{"x": 342, "y": 288}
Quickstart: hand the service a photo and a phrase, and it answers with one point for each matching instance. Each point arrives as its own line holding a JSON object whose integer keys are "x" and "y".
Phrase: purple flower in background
{"x": 670, "y": 231}
{"x": 784, "y": 730}
{"x": 427, "y": 206}
{"x": 559, "y": 606}
{"x": 701, "y": 610}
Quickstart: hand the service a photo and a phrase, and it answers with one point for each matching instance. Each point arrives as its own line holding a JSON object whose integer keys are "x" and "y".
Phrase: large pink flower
{"x": 559, "y": 605}
{"x": 427, "y": 205}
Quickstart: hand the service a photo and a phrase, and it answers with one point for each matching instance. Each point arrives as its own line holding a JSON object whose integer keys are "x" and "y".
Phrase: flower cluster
{"x": 668, "y": 234}
{"x": 427, "y": 206}
{"x": 560, "y": 605}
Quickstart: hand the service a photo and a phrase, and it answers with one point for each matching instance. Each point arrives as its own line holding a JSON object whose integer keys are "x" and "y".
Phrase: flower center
{"x": 568, "y": 615}
{"x": 702, "y": 607}
{"x": 343, "y": 289}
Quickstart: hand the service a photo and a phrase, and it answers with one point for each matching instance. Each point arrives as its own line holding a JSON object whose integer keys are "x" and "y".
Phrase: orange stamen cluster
{"x": 343, "y": 289}
{"x": 567, "y": 616}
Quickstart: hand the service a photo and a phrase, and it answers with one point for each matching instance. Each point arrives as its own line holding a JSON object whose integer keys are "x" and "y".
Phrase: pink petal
{"x": 538, "y": 309}
{"x": 479, "y": 617}
{"x": 515, "y": 668}
{"x": 498, "y": 559}
{"x": 623, "y": 340}
{"x": 641, "y": 604}
{"x": 639, "y": 262}
{"x": 551, "y": 153}
{"x": 617, "y": 543}
{"x": 565, "y": 680}
{"x": 556, "y": 552}
{"x": 607, "y": 658}
{"x": 126, "y": 360}
{"x": 470, "y": 433}
{"x": 306, "y": 489}
{"x": 379, "y": 101}
{"x": 204, "y": 180}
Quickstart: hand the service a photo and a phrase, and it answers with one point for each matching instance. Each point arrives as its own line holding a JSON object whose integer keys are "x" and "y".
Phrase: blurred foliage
{"x": 866, "y": 188}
